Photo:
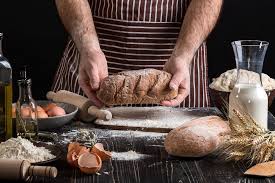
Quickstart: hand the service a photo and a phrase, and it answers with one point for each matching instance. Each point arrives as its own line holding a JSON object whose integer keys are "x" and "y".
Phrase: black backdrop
{"x": 35, "y": 36}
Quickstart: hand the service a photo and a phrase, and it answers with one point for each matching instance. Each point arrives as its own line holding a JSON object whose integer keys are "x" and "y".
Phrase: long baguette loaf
{"x": 147, "y": 86}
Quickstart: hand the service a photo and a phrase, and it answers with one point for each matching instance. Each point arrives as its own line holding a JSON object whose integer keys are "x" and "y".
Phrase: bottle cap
{"x": 23, "y": 77}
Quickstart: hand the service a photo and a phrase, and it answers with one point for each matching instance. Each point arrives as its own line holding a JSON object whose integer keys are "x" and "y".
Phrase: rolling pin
{"x": 88, "y": 111}
{"x": 22, "y": 170}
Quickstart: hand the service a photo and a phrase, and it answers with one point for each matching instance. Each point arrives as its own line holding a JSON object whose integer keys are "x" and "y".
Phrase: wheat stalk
{"x": 248, "y": 141}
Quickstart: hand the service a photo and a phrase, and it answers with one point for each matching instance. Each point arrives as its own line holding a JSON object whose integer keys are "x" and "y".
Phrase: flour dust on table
{"x": 150, "y": 117}
{"x": 129, "y": 155}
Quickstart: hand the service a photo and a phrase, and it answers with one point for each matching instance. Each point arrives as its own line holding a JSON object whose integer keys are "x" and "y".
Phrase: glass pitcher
{"x": 248, "y": 95}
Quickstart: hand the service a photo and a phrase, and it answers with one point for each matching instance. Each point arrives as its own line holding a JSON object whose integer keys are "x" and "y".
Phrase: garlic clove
{"x": 99, "y": 150}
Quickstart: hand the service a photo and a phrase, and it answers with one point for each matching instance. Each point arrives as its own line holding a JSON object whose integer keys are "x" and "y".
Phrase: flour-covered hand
{"x": 92, "y": 70}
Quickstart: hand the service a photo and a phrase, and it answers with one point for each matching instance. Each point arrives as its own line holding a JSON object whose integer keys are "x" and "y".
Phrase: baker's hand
{"x": 92, "y": 70}
{"x": 180, "y": 81}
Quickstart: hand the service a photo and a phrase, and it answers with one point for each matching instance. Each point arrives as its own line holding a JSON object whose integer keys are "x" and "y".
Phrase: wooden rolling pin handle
{"x": 43, "y": 171}
{"x": 100, "y": 114}
{"x": 87, "y": 110}
{"x": 21, "y": 169}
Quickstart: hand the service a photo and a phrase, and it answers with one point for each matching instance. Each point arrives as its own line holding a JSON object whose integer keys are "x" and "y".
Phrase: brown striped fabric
{"x": 137, "y": 34}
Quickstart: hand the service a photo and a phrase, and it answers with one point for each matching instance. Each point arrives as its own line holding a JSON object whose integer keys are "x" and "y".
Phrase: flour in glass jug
{"x": 251, "y": 99}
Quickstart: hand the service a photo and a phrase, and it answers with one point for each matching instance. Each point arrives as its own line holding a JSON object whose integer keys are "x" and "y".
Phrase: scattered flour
{"x": 130, "y": 155}
{"x": 150, "y": 117}
{"x": 130, "y": 133}
{"x": 22, "y": 149}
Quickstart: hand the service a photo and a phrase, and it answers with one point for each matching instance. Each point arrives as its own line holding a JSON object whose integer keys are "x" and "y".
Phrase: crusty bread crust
{"x": 146, "y": 86}
{"x": 197, "y": 138}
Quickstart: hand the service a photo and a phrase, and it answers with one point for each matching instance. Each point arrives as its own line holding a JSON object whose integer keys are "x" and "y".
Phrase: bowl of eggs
{"x": 52, "y": 115}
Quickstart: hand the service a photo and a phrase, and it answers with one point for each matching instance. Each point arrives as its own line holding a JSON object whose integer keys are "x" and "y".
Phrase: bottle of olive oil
{"x": 26, "y": 109}
{"x": 6, "y": 125}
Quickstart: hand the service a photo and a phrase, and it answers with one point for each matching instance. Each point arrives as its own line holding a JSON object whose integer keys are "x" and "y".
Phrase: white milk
{"x": 251, "y": 99}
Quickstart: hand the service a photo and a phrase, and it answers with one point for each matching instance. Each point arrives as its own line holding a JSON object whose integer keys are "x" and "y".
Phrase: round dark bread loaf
{"x": 198, "y": 137}
{"x": 146, "y": 86}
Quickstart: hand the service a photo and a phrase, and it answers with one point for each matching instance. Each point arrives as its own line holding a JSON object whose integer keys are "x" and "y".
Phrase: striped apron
{"x": 137, "y": 34}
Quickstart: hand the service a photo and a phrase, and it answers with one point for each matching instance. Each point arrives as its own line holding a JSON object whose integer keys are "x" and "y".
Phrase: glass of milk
{"x": 248, "y": 95}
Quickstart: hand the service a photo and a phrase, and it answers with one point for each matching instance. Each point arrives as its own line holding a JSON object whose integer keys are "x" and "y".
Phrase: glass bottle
{"x": 6, "y": 127}
{"x": 248, "y": 95}
{"x": 26, "y": 113}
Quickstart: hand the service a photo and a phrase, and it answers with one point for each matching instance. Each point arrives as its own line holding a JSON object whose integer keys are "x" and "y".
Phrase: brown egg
{"x": 42, "y": 114}
{"x": 56, "y": 111}
{"x": 13, "y": 111}
{"x": 49, "y": 106}
{"x": 72, "y": 158}
{"x": 39, "y": 108}
{"x": 33, "y": 115}
{"x": 73, "y": 146}
{"x": 99, "y": 150}
{"x": 26, "y": 112}
{"x": 74, "y": 151}
{"x": 89, "y": 163}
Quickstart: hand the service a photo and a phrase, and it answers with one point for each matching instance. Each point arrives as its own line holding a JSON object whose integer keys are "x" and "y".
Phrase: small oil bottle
{"x": 26, "y": 110}
{"x": 6, "y": 125}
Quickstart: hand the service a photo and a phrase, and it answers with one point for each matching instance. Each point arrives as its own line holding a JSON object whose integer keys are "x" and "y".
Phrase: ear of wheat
{"x": 247, "y": 141}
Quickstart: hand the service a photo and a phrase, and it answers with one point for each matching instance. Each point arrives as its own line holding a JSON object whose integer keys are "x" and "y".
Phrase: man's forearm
{"x": 199, "y": 21}
{"x": 77, "y": 18}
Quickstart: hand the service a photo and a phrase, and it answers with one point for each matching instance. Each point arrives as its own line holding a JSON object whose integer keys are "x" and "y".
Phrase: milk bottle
{"x": 248, "y": 95}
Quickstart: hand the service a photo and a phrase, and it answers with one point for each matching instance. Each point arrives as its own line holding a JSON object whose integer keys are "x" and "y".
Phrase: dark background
{"x": 34, "y": 35}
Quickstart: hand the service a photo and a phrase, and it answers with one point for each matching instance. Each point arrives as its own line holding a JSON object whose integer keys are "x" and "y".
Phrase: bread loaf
{"x": 197, "y": 138}
{"x": 147, "y": 86}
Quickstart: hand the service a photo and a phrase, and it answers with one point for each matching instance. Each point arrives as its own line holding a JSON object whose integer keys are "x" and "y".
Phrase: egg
{"x": 13, "y": 110}
{"x": 39, "y": 108}
{"x": 99, "y": 150}
{"x": 42, "y": 114}
{"x": 26, "y": 112}
{"x": 89, "y": 163}
{"x": 56, "y": 111}
{"x": 74, "y": 151}
{"x": 49, "y": 107}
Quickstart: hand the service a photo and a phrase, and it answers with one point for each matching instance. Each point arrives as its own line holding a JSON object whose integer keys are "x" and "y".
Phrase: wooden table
{"x": 155, "y": 166}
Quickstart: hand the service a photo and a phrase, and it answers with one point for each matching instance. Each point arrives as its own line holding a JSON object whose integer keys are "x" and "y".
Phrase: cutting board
{"x": 152, "y": 119}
